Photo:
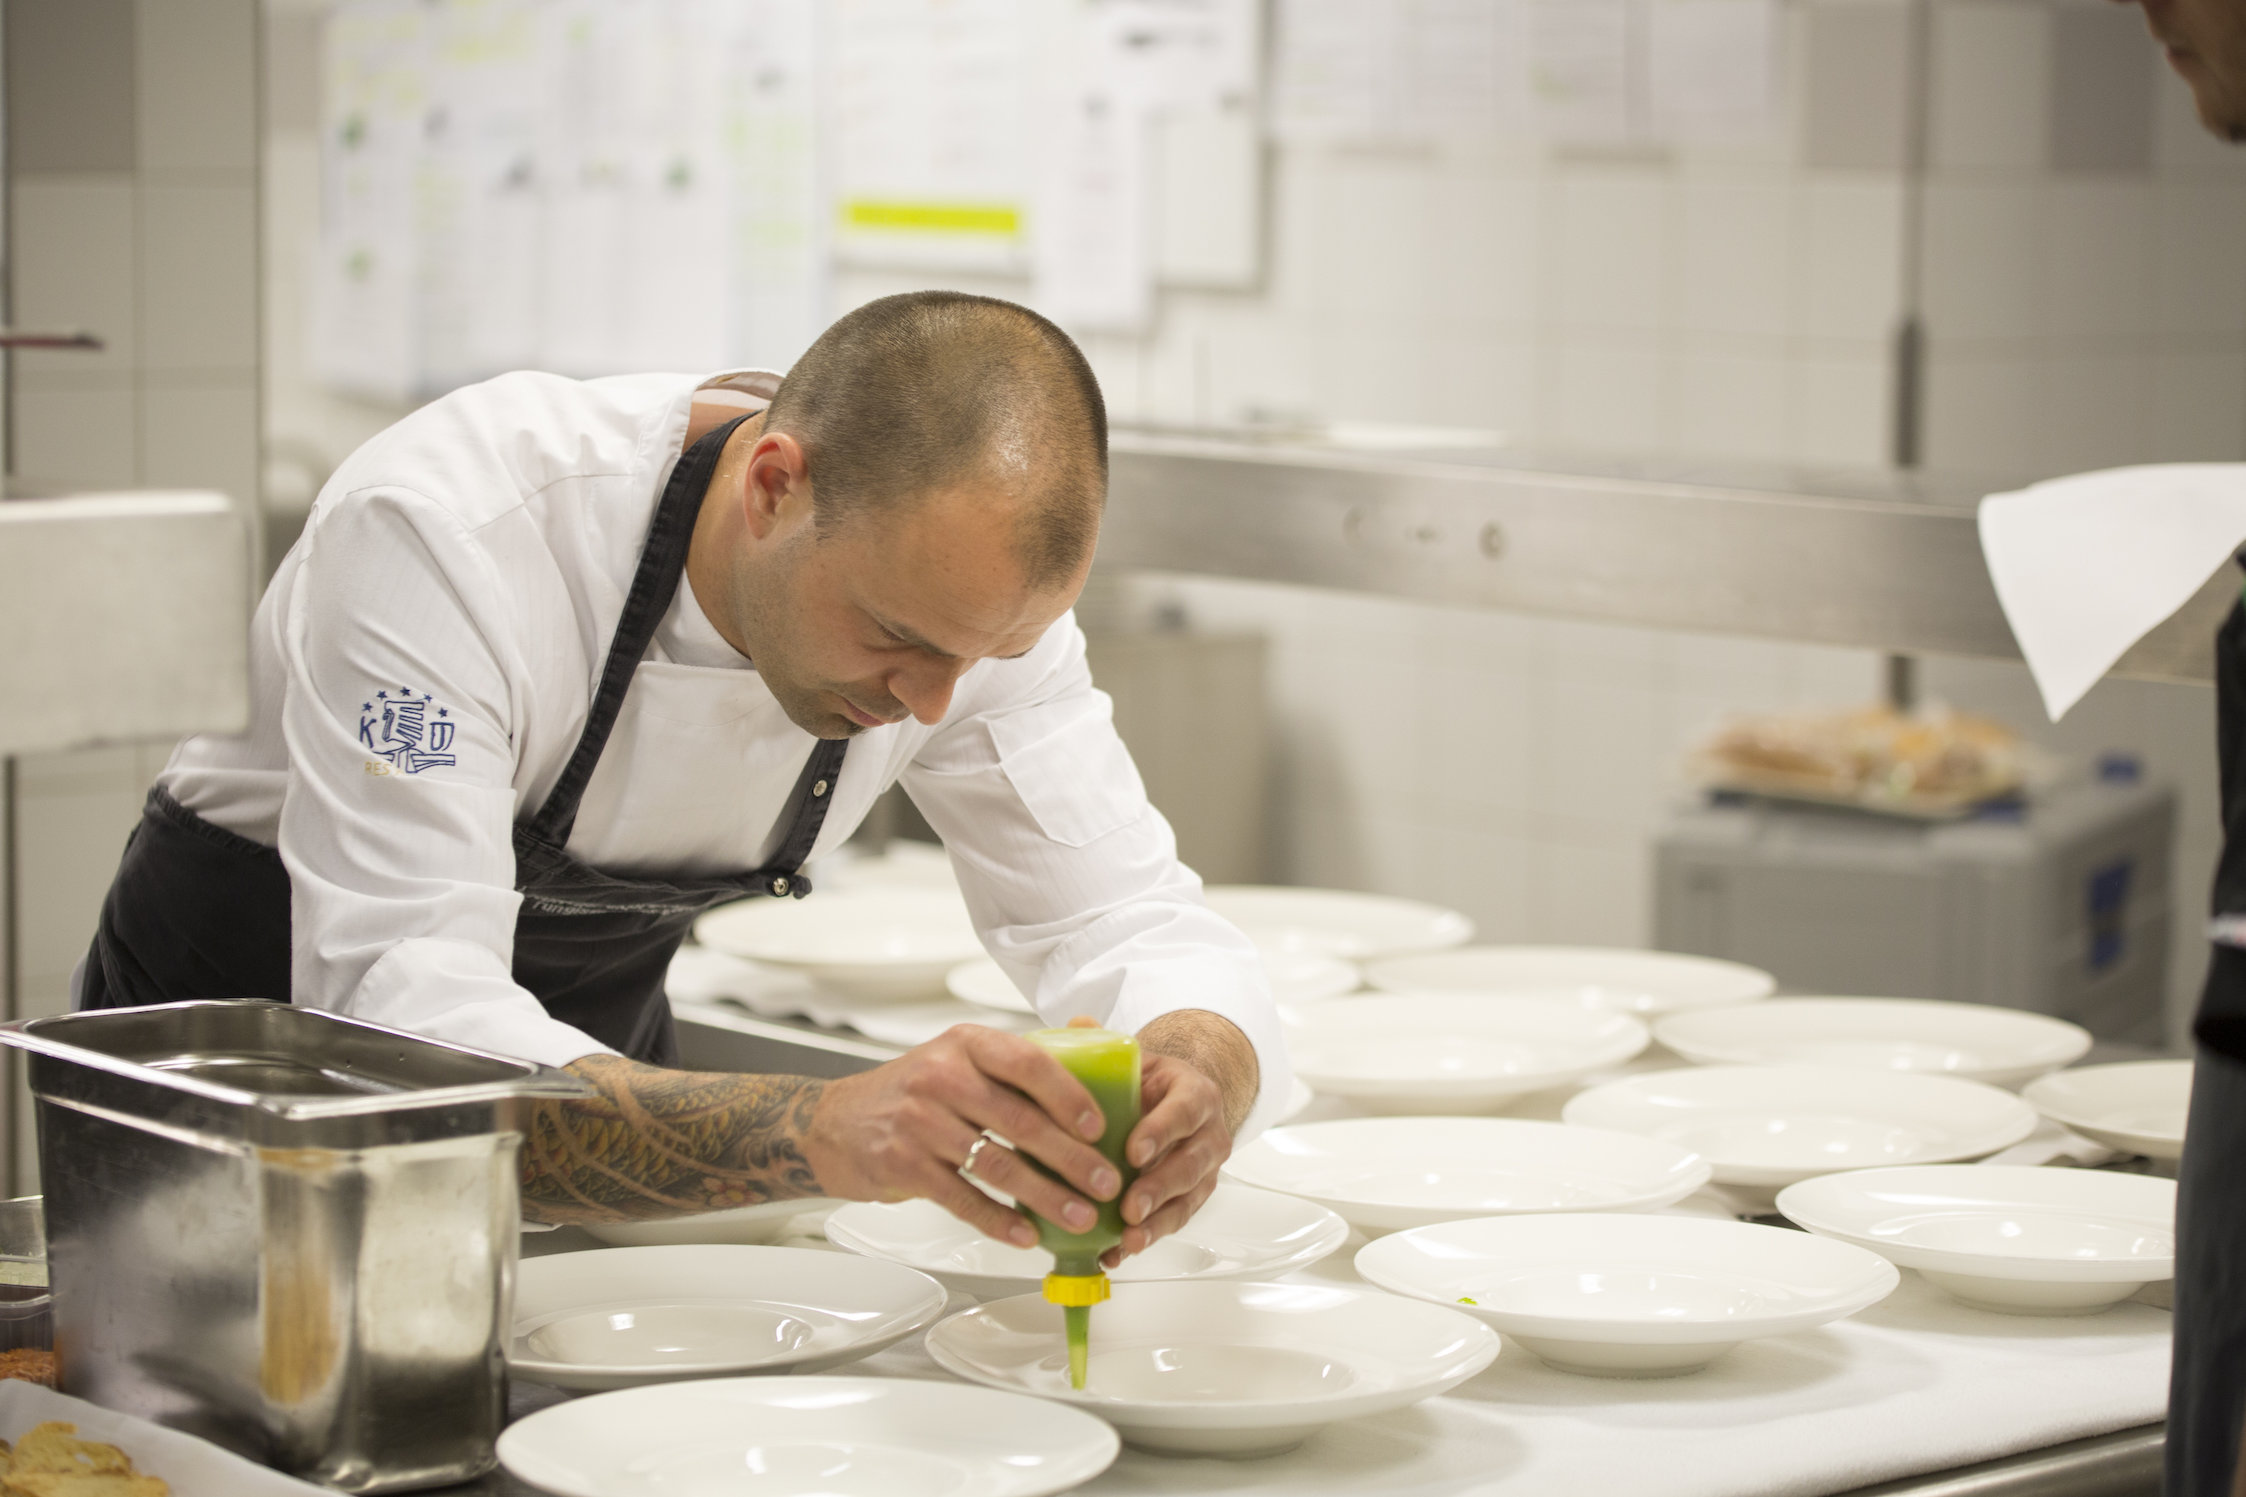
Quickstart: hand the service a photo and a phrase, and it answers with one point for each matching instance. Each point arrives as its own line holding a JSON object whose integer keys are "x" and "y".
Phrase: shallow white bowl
{"x": 2138, "y": 1106}
{"x": 1337, "y": 922}
{"x": 744, "y": 1225}
{"x": 1643, "y": 983}
{"x": 1630, "y": 1296}
{"x": 1296, "y": 977}
{"x": 2035, "y": 1241}
{"x": 1773, "y": 1125}
{"x": 782, "y": 1437}
{"x": 1386, "y": 1174}
{"x": 891, "y": 943}
{"x": 1240, "y": 1233}
{"x": 1392, "y": 1053}
{"x": 616, "y": 1317}
{"x": 1223, "y": 1369}
{"x": 1971, "y": 1041}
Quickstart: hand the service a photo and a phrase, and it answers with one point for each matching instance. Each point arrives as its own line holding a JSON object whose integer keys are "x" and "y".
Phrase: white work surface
{"x": 1913, "y": 1385}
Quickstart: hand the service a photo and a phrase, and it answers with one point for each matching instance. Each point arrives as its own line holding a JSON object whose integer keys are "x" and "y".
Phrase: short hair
{"x": 918, "y": 391}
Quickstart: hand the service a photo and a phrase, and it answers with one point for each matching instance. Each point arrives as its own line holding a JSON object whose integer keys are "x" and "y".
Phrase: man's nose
{"x": 925, "y": 688}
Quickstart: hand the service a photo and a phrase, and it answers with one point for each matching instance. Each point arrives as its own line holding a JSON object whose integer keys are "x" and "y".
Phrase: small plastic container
{"x": 27, "y": 1315}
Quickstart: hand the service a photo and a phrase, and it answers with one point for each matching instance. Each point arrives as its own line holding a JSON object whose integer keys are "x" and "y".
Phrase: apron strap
{"x": 662, "y": 563}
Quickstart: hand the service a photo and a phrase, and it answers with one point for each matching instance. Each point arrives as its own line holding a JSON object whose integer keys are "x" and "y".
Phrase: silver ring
{"x": 974, "y": 1152}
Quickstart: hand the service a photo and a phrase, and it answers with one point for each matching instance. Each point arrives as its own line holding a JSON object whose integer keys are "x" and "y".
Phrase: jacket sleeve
{"x": 1071, "y": 874}
{"x": 397, "y": 826}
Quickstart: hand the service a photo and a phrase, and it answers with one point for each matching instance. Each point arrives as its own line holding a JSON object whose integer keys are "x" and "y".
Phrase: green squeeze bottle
{"x": 1108, "y": 1065}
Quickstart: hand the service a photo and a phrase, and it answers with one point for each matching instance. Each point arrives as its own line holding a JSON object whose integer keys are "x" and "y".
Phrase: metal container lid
{"x": 248, "y": 1073}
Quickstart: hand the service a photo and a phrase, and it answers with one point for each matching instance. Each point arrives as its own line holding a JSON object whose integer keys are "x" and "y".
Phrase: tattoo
{"x": 1216, "y": 1048}
{"x": 655, "y": 1143}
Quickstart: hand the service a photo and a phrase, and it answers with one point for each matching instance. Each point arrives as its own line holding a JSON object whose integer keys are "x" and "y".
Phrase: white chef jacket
{"x": 425, "y": 659}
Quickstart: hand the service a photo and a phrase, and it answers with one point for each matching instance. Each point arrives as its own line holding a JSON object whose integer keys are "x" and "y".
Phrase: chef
{"x": 2205, "y": 42}
{"x": 559, "y": 665}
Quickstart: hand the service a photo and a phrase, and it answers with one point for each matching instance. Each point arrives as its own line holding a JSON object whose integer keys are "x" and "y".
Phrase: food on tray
{"x": 1928, "y": 761}
{"x": 51, "y": 1461}
{"x": 30, "y": 1364}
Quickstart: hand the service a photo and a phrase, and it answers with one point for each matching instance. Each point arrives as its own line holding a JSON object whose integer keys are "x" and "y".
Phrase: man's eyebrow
{"x": 906, "y": 636}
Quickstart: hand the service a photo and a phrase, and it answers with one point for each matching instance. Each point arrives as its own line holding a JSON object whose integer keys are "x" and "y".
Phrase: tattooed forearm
{"x": 654, "y": 1143}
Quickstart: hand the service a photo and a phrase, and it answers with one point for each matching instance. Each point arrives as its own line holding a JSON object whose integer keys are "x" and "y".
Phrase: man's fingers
{"x": 980, "y": 1211}
{"x": 1034, "y": 1073}
{"x": 1189, "y": 1165}
{"x": 1002, "y": 1169}
{"x": 1185, "y": 1103}
{"x": 1028, "y": 1129}
{"x": 1169, "y": 1219}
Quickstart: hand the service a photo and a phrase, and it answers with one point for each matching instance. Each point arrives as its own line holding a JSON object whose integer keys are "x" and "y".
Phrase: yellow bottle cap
{"x": 1075, "y": 1291}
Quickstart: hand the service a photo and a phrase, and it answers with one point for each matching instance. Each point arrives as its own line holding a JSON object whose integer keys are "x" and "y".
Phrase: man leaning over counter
{"x": 558, "y": 665}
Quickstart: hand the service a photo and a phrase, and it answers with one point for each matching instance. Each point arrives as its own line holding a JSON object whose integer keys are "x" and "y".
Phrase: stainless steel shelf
{"x": 1885, "y": 561}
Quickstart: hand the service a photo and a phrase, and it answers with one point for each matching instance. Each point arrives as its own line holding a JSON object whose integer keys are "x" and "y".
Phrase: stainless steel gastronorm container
{"x": 289, "y": 1233}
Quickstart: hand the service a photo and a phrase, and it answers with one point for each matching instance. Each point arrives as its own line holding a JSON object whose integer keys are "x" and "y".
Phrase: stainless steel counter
{"x": 1876, "y": 559}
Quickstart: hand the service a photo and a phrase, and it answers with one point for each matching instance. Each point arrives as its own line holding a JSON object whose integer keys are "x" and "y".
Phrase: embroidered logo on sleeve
{"x": 408, "y": 729}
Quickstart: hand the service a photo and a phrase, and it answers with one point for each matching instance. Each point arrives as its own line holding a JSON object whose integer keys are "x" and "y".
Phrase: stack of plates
{"x": 1630, "y": 1296}
{"x": 1643, "y": 983}
{"x": 1971, "y": 1041}
{"x": 887, "y": 944}
{"x": 1336, "y": 922}
{"x": 1451, "y": 1054}
{"x": 1767, "y": 1126}
{"x": 741, "y": 1226}
{"x": 620, "y": 1316}
{"x": 1240, "y": 1234}
{"x": 1224, "y": 1369}
{"x": 2138, "y": 1107}
{"x": 2034, "y": 1241}
{"x": 786, "y": 1436}
{"x": 1296, "y": 977}
{"x": 1387, "y": 1174}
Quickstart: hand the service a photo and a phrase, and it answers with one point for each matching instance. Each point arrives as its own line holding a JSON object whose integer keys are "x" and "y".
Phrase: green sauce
{"x": 1108, "y": 1065}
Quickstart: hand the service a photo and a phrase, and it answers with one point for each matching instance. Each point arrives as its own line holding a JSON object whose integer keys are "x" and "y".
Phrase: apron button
{"x": 779, "y": 887}
{"x": 820, "y": 788}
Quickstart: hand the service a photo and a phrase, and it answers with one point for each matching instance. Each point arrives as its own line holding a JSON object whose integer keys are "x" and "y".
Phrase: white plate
{"x": 614, "y": 1317}
{"x": 1299, "y": 1098}
{"x": 742, "y": 1226}
{"x": 1630, "y": 1296}
{"x": 782, "y": 1437}
{"x": 1240, "y": 1234}
{"x": 1296, "y": 977}
{"x": 1385, "y": 1174}
{"x": 1392, "y": 1053}
{"x": 880, "y": 943}
{"x": 2030, "y": 1240}
{"x": 1972, "y": 1041}
{"x": 1224, "y": 1369}
{"x": 1337, "y": 922}
{"x": 1773, "y": 1125}
{"x": 2138, "y": 1106}
{"x": 1644, "y": 983}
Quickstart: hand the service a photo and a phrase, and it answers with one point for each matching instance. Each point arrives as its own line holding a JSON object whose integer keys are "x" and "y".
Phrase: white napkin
{"x": 2086, "y": 566}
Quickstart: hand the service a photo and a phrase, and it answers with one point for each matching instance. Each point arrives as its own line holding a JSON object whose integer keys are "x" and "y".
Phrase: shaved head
{"x": 938, "y": 391}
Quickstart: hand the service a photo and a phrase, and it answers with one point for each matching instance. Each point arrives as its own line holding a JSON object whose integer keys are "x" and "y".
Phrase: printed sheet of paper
{"x": 1580, "y": 77}
{"x": 1711, "y": 68}
{"x": 780, "y": 227}
{"x": 930, "y": 132}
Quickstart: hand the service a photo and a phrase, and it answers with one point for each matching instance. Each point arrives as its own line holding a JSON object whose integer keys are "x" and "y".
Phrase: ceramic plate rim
{"x": 1762, "y": 980}
{"x": 1096, "y": 1433}
{"x": 1629, "y": 1037}
{"x": 2062, "y": 1050}
{"x": 563, "y": 1374}
{"x": 2038, "y": 1093}
{"x": 1877, "y": 1286}
{"x": 1980, "y": 1264}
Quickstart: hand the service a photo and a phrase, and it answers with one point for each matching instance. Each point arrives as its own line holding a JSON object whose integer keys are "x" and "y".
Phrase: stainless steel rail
{"x": 1879, "y": 560}
{"x": 2123, "y": 1464}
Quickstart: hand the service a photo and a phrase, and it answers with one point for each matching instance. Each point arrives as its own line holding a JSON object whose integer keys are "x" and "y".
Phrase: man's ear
{"x": 776, "y": 488}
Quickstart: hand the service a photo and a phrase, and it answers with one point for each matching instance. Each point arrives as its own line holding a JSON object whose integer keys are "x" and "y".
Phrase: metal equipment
{"x": 290, "y": 1233}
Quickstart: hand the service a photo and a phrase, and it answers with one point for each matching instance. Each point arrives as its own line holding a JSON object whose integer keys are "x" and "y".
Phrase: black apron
{"x": 197, "y": 911}
{"x": 2207, "y": 1379}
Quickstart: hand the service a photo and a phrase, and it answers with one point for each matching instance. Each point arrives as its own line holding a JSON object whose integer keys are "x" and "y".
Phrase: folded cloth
{"x": 2086, "y": 566}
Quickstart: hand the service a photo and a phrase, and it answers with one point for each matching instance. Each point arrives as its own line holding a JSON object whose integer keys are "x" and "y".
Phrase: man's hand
{"x": 1199, "y": 1081}
{"x": 902, "y": 1130}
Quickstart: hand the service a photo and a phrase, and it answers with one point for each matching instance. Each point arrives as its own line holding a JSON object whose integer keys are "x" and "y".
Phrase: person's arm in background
{"x": 1073, "y": 879}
